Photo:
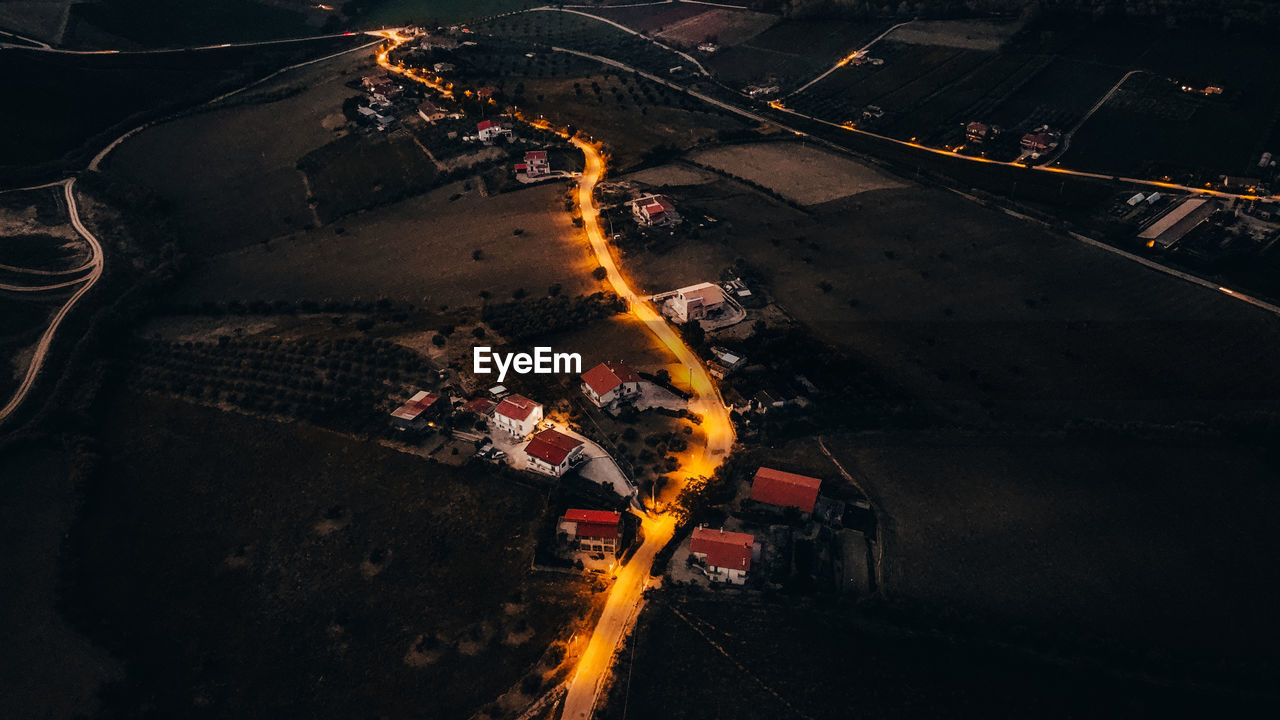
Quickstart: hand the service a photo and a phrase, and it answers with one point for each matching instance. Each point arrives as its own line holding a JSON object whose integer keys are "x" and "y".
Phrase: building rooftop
{"x": 552, "y": 446}
{"x": 724, "y": 549}
{"x": 416, "y": 405}
{"x": 608, "y": 375}
{"x": 785, "y": 489}
{"x": 516, "y": 407}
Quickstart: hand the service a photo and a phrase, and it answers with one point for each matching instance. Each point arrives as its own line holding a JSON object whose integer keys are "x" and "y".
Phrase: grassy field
{"x": 1138, "y": 544}
{"x": 248, "y": 188}
{"x": 356, "y": 173}
{"x": 632, "y": 117}
{"x": 992, "y": 321}
{"x": 787, "y": 658}
{"x": 419, "y": 250}
{"x": 304, "y": 573}
{"x": 50, "y": 668}
{"x": 121, "y": 90}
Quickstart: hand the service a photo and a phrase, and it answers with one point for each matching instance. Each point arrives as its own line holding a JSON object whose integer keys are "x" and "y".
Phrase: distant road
{"x": 46, "y": 340}
{"x": 845, "y": 60}
{"x": 45, "y": 47}
{"x": 1066, "y": 139}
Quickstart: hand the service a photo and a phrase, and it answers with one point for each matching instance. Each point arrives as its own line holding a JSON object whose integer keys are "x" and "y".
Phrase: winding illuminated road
{"x": 627, "y": 593}
{"x": 46, "y": 340}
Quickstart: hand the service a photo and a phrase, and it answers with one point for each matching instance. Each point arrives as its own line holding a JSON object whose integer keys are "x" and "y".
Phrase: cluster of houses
{"x": 980, "y": 132}
{"x": 727, "y": 556}
{"x": 381, "y": 92}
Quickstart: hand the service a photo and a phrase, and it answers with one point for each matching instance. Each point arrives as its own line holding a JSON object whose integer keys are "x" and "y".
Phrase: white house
{"x": 553, "y": 453}
{"x": 610, "y": 382}
{"x": 696, "y": 301}
{"x": 517, "y": 415}
{"x": 652, "y": 210}
{"x": 490, "y": 130}
{"x": 727, "y": 555}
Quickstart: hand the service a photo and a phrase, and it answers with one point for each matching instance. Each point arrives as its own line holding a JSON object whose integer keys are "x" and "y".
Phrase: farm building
{"x": 785, "y": 489}
{"x": 727, "y": 554}
{"x": 518, "y": 415}
{"x": 696, "y": 301}
{"x": 535, "y": 164}
{"x": 419, "y": 412}
{"x": 610, "y": 382}
{"x": 592, "y": 530}
{"x": 1175, "y": 224}
{"x": 552, "y": 452}
{"x": 652, "y": 210}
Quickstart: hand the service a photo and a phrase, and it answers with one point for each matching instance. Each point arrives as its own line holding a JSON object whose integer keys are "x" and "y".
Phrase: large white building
{"x": 696, "y": 301}
{"x": 654, "y": 210}
{"x": 517, "y": 415}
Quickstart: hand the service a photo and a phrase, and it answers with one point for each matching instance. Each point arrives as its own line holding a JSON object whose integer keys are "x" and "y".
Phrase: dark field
{"x": 164, "y": 24}
{"x": 1126, "y": 544}
{"x": 247, "y": 187}
{"x": 86, "y": 101}
{"x": 295, "y": 575}
{"x": 793, "y": 51}
{"x": 355, "y": 173}
{"x": 42, "y": 252}
{"x": 991, "y": 320}
{"x": 787, "y": 658}
{"x": 417, "y": 251}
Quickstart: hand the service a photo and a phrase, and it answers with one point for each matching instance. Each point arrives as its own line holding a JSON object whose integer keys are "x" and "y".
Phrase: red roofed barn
{"x": 726, "y": 554}
{"x": 609, "y": 382}
{"x": 592, "y": 530}
{"x": 552, "y": 452}
{"x": 517, "y": 415}
{"x": 785, "y": 489}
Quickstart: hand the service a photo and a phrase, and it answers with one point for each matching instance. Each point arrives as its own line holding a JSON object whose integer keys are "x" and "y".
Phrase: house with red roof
{"x": 535, "y": 164}
{"x": 490, "y": 130}
{"x": 610, "y": 382}
{"x": 1040, "y": 141}
{"x": 419, "y": 412}
{"x": 784, "y": 489}
{"x": 727, "y": 555}
{"x": 551, "y": 452}
{"x": 653, "y": 210}
{"x": 481, "y": 406}
{"x": 517, "y": 415}
{"x": 592, "y": 530}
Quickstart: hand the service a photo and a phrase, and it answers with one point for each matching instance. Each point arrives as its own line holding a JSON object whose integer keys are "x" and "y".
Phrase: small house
{"x": 727, "y": 555}
{"x": 654, "y": 210}
{"x": 551, "y": 452}
{"x": 517, "y": 415}
{"x": 489, "y": 131}
{"x": 431, "y": 112}
{"x": 610, "y": 382}
{"x": 592, "y": 530}
{"x": 535, "y": 164}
